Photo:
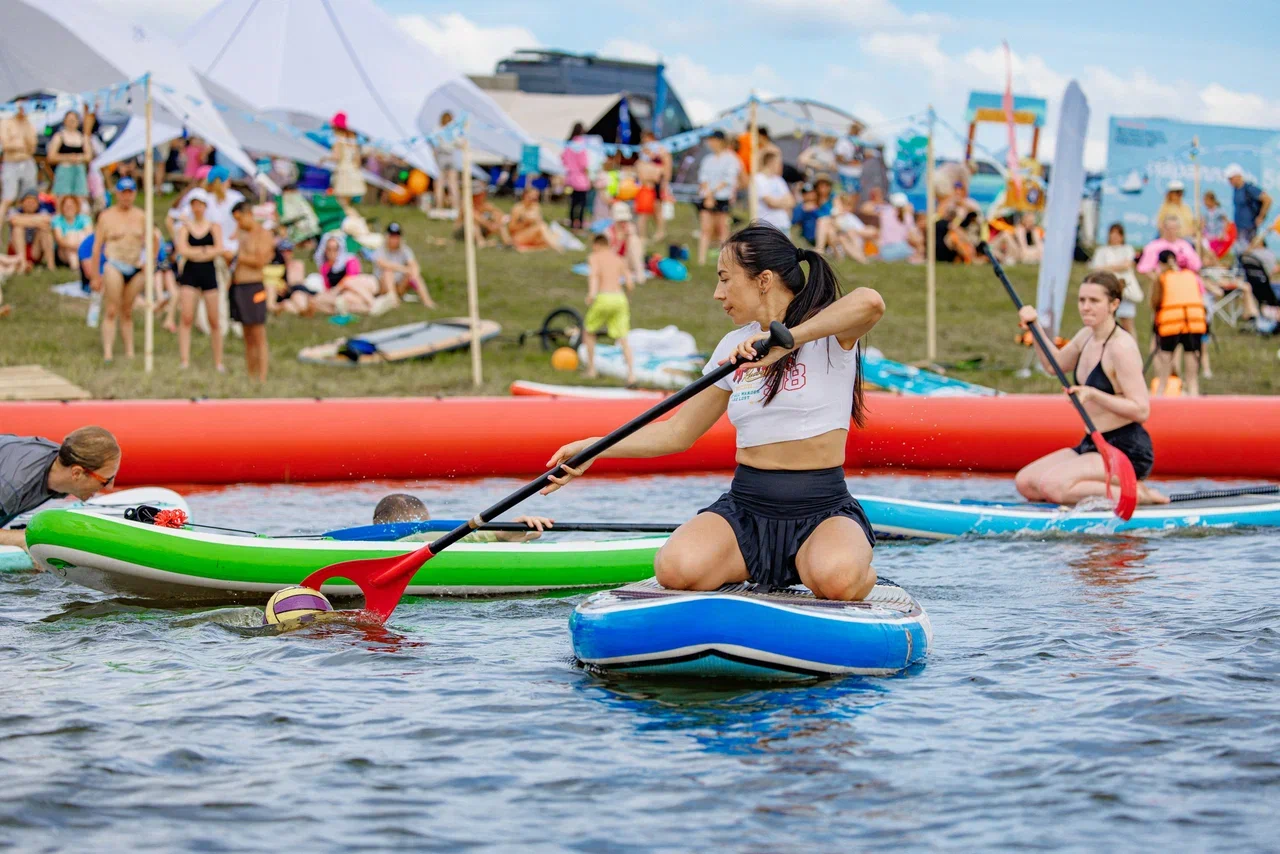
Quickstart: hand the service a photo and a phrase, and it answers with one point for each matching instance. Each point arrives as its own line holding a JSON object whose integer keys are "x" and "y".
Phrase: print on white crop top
{"x": 815, "y": 397}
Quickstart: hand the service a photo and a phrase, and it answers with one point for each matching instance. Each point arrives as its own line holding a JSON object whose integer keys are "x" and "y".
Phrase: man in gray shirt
{"x": 34, "y": 470}
{"x": 397, "y": 268}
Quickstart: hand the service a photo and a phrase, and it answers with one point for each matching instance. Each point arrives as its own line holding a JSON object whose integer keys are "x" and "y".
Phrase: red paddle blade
{"x": 382, "y": 580}
{"x": 1119, "y": 466}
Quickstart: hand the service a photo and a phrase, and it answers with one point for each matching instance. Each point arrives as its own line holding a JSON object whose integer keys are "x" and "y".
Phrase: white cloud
{"x": 860, "y": 14}
{"x": 1031, "y": 74}
{"x": 629, "y": 50}
{"x": 470, "y": 47}
{"x": 950, "y": 77}
{"x": 914, "y": 49}
{"x": 1224, "y": 106}
{"x": 704, "y": 93}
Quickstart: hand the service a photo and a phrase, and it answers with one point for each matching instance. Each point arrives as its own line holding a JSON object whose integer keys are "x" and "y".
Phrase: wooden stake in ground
{"x": 931, "y": 246}
{"x": 753, "y": 197}
{"x": 1198, "y": 226}
{"x": 149, "y": 243}
{"x": 469, "y": 243}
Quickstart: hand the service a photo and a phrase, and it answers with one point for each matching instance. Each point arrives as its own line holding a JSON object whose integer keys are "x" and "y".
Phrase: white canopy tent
{"x": 549, "y": 118}
{"x": 316, "y": 58}
{"x": 792, "y": 117}
{"x": 77, "y": 46}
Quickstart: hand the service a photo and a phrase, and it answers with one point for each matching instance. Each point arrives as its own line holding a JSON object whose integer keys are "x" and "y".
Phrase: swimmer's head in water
{"x": 400, "y": 507}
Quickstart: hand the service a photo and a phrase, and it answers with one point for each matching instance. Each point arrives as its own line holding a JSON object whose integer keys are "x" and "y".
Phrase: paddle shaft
{"x": 587, "y": 527}
{"x": 398, "y": 530}
{"x": 779, "y": 336}
{"x": 1040, "y": 339}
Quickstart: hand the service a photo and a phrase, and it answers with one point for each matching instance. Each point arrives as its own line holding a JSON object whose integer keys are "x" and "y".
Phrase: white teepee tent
{"x": 314, "y": 58}
{"x": 77, "y": 46}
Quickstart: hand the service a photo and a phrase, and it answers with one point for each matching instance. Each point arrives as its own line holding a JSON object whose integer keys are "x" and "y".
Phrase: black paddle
{"x": 398, "y": 530}
{"x": 383, "y": 580}
{"x": 1113, "y": 460}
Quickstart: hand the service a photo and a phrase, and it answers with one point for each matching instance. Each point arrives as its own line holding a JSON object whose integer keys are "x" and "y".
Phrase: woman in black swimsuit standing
{"x": 1114, "y": 393}
{"x": 199, "y": 241}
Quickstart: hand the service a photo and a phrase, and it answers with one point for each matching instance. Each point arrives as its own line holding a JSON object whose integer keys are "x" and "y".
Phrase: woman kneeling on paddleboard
{"x": 788, "y": 517}
{"x": 1114, "y": 394}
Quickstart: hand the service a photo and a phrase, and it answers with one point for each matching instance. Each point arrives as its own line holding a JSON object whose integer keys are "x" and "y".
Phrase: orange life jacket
{"x": 1181, "y": 305}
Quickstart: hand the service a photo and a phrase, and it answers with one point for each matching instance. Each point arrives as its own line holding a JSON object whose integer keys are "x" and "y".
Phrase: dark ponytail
{"x": 760, "y": 247}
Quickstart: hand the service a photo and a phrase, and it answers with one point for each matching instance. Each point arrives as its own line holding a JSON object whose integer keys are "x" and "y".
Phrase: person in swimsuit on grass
{"x": 788, "y": 518}
{"x": 1114, "y": 393}
{"x": 120, "y": 237}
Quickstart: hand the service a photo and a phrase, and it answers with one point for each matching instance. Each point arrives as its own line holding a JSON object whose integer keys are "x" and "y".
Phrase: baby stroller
{"x": 1255, "y": 273}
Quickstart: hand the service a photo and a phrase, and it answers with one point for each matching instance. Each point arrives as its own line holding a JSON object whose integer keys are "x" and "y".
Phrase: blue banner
{"x": 529, "y": 160}
{"x": 659, "y": 100}
{"x": 624, "y": 122}
{"x": 1144, "y": 155}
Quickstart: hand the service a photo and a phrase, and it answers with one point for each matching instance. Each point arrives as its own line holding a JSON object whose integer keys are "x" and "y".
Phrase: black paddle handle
{"x": 779, "y": 336}
{"x": 1038, "y": 333}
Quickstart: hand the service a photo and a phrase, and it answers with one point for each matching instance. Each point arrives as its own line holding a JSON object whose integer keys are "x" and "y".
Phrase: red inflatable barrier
{"x": 272, "y": 441}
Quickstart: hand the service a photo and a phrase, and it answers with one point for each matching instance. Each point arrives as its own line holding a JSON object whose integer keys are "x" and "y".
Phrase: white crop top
{"x": 815, "y": 397}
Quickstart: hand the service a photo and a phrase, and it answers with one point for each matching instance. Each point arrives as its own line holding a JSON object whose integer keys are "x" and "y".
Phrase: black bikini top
{"x": 1098, "y": 377}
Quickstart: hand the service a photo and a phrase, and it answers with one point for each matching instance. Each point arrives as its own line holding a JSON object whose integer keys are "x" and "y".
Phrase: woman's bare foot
{"x": 1147, "y": 495}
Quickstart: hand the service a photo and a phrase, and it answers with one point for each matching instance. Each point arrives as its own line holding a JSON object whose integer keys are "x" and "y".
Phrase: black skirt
{"x": 1132, "y": 440}
{"x": 772, "y": 513}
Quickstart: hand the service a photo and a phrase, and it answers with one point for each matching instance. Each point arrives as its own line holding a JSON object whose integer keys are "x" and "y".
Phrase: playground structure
{"x": 1026, "y": 191}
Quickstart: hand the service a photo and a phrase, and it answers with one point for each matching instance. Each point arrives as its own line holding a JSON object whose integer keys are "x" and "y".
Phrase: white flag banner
{"x": 1062, "y": 210}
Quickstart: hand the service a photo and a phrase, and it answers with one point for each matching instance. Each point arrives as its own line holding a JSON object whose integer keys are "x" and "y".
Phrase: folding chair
{"x": 1231, "y": 305}
{"x": 1264, "y": 292}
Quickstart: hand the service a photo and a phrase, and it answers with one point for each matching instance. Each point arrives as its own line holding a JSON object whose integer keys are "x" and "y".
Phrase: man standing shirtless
{"x": 120, "y": 237}
{"x": 248, "y": 295}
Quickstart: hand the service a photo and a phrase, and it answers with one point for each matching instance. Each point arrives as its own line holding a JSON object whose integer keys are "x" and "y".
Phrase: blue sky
{"x": 882, "y": 60}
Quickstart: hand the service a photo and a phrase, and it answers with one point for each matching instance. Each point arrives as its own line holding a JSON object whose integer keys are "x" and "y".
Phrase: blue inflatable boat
{"x": 737, "y": 633}
{"x": 941, "y": 520}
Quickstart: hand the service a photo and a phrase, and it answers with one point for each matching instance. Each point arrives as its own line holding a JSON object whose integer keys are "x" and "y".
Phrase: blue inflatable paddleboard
{"x": 738, "y": 633}
{"x": 940, "y": 520}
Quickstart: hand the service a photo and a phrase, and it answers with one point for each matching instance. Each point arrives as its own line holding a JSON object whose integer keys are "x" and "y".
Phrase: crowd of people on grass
{"x": 222, "y": 263}
{"x": 1182, "y": 300}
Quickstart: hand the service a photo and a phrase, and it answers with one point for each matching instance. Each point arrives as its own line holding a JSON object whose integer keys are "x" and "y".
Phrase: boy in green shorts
{"x": 608, "y": 307}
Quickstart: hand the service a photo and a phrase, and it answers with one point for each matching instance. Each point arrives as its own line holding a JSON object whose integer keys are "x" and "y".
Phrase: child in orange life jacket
{"x": 1177, "y": 303}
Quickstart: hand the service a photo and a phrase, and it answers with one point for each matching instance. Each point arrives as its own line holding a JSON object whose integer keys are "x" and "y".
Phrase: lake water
{"x": 1081, "y": 694}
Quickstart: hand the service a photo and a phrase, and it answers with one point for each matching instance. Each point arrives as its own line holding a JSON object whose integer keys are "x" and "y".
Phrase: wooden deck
{"x": 32, "y": 382}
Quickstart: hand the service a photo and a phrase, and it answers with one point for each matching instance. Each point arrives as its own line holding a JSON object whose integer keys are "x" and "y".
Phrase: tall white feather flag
{"x": 1062, "y": 210}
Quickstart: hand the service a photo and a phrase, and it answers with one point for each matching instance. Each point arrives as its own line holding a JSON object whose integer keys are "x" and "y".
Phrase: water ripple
{"x": 1082, "y": 694}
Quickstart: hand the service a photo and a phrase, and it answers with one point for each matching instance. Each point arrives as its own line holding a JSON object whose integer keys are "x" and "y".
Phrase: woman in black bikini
{"x": 1114, "y": 393}
{"x": 199, "y": 241}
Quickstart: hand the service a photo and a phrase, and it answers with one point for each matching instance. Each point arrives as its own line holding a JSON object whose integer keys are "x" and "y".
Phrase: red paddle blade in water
{"x": 1119, "y": 466}
{"x": 382, "y": 580}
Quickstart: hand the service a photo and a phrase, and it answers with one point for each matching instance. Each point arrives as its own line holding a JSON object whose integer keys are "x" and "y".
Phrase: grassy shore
{"x": 975, "y": 320}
